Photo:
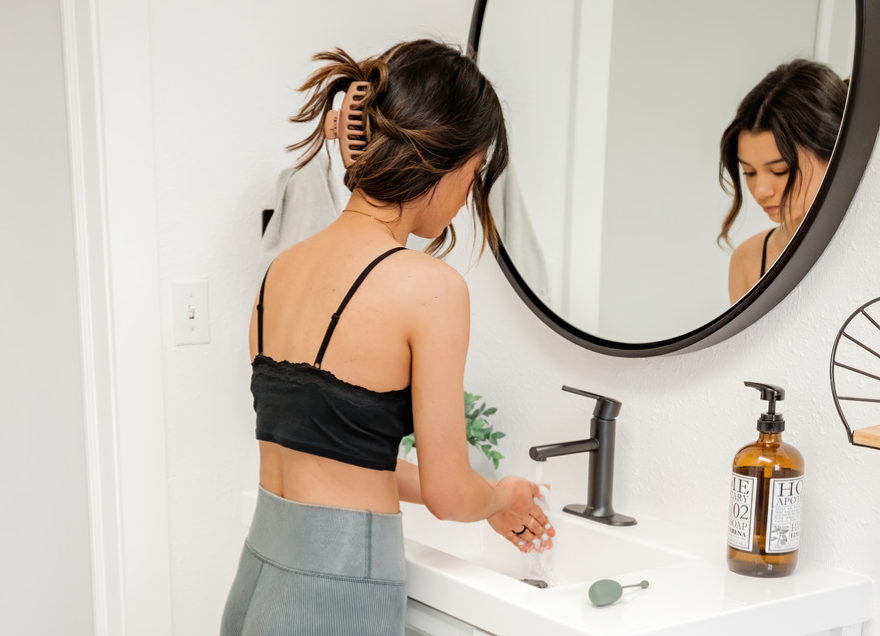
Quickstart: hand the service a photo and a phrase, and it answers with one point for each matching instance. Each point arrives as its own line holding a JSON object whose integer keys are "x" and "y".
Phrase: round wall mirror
{"x": 611, "y": 208}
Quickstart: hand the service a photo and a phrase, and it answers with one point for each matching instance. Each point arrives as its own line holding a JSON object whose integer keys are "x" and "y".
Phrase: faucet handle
{"x": 571, "y": 389}
{"x": 606, "y": 408}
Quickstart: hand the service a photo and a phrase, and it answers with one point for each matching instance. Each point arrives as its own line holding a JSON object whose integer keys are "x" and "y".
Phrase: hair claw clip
{"x": 347, "y": 124}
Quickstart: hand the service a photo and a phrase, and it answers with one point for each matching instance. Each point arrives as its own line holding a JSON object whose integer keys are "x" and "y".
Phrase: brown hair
{"x": 427, "y": 112}
{"x": 802, "y": 104}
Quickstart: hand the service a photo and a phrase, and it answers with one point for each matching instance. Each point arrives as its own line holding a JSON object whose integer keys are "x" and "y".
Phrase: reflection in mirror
{"x": 781, "y": 141}
{"x": 616, "y": 109}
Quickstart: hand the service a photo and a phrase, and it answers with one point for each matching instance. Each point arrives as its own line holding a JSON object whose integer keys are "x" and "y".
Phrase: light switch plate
{"x": 189, "y": 305}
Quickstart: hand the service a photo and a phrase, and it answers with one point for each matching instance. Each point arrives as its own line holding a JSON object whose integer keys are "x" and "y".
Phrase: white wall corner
{"x": 107, "y": 65}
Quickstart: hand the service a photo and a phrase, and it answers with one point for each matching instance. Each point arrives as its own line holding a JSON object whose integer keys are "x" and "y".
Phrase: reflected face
{"x": 766, "y": 174}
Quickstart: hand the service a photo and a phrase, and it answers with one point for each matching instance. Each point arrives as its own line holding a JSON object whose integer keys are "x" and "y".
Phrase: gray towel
{"x": 306, "y": 202}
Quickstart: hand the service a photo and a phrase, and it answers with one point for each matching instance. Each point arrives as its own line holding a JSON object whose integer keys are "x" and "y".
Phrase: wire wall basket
{"x": 855, "y": 375}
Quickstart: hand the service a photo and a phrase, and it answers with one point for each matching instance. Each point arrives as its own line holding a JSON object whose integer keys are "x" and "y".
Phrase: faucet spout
{"x": 541, "y": 453}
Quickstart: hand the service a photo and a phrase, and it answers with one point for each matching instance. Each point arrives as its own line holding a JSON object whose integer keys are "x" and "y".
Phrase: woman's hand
{"x": 521, "y": 521}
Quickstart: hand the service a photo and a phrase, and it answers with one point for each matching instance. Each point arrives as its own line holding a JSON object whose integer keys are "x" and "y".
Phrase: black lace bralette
{"x": 306, "y": 408}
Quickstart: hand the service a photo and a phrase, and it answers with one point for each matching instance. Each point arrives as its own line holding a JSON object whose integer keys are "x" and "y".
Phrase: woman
{"x": 357, "y": 342}
{"x": 781, "y": 138}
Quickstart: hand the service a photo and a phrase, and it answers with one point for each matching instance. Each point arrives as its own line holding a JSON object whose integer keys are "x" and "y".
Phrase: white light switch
{"x": 189, "y": 304}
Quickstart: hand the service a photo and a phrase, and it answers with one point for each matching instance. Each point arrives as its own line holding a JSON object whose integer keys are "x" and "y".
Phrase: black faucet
{"x": 601, "y": 472}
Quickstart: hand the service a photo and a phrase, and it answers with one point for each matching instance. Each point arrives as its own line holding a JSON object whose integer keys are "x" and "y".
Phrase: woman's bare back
{"x": 368, "y": 348}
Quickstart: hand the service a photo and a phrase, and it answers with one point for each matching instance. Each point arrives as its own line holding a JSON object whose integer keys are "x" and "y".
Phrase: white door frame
{"x": 107, "y": 68}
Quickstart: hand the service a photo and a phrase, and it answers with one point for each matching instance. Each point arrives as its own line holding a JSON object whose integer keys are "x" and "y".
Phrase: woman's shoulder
{"x": 427, "y": 276}
{"x": 750, "y": 248}
{"x": 434, "y": 301}
{"x": 745, "y": 265}
{"x": 429, "y": 294}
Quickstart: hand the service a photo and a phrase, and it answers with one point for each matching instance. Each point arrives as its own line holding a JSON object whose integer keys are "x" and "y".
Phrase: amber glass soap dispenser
{"x": 764, "y": 526}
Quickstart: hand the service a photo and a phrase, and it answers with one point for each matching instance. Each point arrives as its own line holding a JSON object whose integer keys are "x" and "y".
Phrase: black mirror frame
{"x": 858, "y": 132}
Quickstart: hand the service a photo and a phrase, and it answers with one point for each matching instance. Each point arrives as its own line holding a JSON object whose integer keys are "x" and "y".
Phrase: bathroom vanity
{"x": 465, "y": 580}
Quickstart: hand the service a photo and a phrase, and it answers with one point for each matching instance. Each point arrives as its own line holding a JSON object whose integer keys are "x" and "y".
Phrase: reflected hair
{"x": 801, "y": 103}
{"x": 427, "y": 112}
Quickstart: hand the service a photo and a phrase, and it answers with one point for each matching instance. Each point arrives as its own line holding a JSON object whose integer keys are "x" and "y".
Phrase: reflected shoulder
{"x": 745, "y": 266}
{"x": 750, "y": 248}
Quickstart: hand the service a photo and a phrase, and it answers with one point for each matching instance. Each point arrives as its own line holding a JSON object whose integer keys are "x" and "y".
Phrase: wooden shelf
{"x": 869, "y": 436}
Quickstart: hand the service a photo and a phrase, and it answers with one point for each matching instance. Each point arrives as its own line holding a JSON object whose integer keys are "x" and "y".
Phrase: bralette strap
{"x": 334, "y": 319}
{"x": 260, "y": 314}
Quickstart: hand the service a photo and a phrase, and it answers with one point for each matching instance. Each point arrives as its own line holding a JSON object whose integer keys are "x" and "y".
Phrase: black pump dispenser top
{"x": 771, "y": 421}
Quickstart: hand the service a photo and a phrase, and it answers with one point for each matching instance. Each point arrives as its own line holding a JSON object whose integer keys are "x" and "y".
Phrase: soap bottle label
{"x": 784, "y": 515}
{"x": 741, "y": 519}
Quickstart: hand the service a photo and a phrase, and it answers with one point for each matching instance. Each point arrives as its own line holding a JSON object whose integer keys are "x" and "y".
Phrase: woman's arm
{"x": 438, "y": 338}
{"x": 449, "y": 487}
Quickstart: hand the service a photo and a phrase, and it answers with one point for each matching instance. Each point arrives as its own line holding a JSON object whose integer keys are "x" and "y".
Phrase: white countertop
{"x": 695, "y": 596}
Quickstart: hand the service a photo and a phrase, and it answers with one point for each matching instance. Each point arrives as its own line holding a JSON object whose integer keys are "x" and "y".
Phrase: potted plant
{"x": 479, "y": 433}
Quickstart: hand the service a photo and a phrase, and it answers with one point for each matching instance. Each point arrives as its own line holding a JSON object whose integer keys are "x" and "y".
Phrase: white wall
{"x": 222, "y": 77}
{"x": 45, "y": 579}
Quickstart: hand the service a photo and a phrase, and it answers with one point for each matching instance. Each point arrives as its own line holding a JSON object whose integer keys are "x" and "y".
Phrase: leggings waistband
{"x": 327, "y": 540}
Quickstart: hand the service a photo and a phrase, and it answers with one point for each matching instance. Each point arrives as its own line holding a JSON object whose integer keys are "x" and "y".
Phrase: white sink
{"x": 470, "y": 573}
{"x": 583, "y": 551}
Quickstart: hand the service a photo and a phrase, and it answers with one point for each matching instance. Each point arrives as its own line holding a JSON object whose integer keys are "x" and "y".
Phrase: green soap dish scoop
{"x": 606, "y": 591}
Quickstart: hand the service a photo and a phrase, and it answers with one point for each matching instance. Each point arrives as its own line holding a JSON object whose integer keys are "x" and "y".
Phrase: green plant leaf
{"x": 496, "y": 458}
{"x": 469, "y": 400}
{"x": 408, "y": 442}
{"x": 478, "y": 431}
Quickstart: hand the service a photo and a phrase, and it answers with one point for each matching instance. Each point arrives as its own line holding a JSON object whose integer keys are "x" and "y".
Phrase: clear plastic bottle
{"x": 766, "y": 489}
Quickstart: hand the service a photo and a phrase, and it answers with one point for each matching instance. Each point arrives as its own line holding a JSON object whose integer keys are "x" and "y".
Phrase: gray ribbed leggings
{"x": 315, "y": 570}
